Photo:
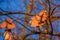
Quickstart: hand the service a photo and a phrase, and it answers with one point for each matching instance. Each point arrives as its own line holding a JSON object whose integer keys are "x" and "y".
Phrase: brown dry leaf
{"x": 8, "y": 24}
{"x": 34, "y": 23}
{"x": 7, "y": 36}
{"x": 2, "y": 25}
{"x": 42, "y": 12}
{"x": 39, "y": 19}
{"x": 44, "y": 17}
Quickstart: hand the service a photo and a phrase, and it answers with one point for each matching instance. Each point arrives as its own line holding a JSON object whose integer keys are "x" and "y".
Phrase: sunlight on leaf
{"x": 2, "y": 25}
{"x": 8, "y": 24}
{"x": 39, "y": 19}
{"x": 7, "y": 36}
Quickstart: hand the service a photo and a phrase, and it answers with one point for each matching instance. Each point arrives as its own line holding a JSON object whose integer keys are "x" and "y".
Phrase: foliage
{"x": 36, "y": 17}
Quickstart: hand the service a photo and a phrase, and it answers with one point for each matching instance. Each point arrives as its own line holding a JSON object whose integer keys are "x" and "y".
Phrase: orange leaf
{"x": 2, "y": 25}
{"x": 10, "y": 26}
{"x": 38, "y": 20}
{"x": 7, "y": 36}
